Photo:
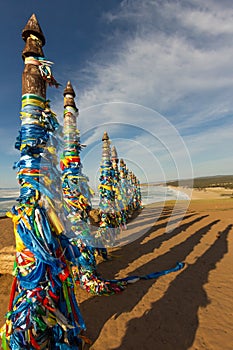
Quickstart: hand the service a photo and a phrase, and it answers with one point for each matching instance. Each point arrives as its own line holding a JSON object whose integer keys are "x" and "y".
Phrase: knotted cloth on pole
{"x": 120, "y": 198}
{"x": 43, "y": 312}
{"x": 77, "y": 206}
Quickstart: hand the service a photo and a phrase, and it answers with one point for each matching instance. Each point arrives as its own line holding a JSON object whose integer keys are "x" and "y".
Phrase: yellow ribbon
{"x": 32, "y": 101}
{"x": 105, "y": 187}
{"x": 56, "y": 223}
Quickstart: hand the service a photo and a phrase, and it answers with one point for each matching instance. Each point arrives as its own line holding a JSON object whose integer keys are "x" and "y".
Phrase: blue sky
{"x": 157, "y": 75}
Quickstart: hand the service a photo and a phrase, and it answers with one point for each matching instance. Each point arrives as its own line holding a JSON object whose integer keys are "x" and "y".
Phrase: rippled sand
{"x": 188, "y": 309}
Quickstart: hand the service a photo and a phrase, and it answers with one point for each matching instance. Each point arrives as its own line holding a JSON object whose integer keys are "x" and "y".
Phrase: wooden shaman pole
{"x": 125, "y": 187}
{"x": 135, "y": 195}
{"x": 77, "y": 205}
{"x": 76, "y": 191}
{"x": 76, "y": 195}
{"x": 109, "y": 225}
{"x": 137, "y": 200}
{"x": 43, "y": 312}
{"x": 131, "y": 191}
{"x": 119, "y": 194}
{"x": 139, "y": 193}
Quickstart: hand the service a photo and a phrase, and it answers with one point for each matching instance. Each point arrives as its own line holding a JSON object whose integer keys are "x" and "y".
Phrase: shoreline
{"x": 206, "y": 193}
{"x": 201, "y": 237}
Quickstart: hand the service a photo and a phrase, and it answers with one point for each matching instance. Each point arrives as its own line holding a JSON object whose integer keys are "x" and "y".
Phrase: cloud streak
{"x": 175, "y": 58}
{"x": 163, "y": 67}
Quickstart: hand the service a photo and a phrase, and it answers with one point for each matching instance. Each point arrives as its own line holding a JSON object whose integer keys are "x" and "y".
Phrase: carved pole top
{"x": 69, "y": 89}
{"x": 34, "y": 39}
{"x": 122, "y": 163}
{"x": 33, "y": 27}
{"x": 114, "y": 153}
{"x": 105, "y": 136}
{"x": 32, "y": 81}
{"x": 69, "y": 95}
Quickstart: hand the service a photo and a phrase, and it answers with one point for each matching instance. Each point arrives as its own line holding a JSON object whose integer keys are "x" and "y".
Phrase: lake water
{"x": 7, "y": 199}
{"x": 150, "y": 194}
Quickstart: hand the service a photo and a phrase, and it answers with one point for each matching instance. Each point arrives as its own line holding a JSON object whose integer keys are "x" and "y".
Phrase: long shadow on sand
{"x": 135, "y": 250}
{"x": 141, "y": 225}
{"x": 114, "y": 306}
{"x": 172, "y": 321}
{"x": 153, "y": 218}
{"x": 160, "y": 213}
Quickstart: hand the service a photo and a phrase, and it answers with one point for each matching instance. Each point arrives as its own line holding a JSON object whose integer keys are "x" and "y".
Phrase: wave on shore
{"x": 150, "y": 194}
{"x": 7, "y": 199}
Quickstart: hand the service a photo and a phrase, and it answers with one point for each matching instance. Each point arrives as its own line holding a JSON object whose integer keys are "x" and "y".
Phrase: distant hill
{"x": 225, "y": 181}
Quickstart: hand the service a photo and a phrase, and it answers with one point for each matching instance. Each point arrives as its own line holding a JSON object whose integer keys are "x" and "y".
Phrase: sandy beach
{"x": 188, "y": 309}
{"x": 205, "y": 193}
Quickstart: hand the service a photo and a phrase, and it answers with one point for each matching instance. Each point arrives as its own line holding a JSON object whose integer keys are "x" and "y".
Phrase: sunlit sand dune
{"x": 188, "y": 309}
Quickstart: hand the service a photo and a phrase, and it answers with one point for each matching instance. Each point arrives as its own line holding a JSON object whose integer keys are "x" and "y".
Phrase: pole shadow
{"x": 173, "y": 319}
{"x": 135, "y": 250}
{"x": 106, "y": 308}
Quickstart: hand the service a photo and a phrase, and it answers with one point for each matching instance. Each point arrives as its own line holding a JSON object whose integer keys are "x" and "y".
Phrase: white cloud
{"x": 210, "y": 17}
{"x": 211, "y": 141}
{"x": 7, "y": 143}
{"x": 159, "y": 69}
{"x": 176, "y": 58}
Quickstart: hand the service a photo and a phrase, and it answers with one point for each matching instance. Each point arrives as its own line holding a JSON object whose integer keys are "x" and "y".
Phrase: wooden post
{"x": 32, "y": 81}
{"x": 120, "y": 198}
{"x": 46, "y": 315}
